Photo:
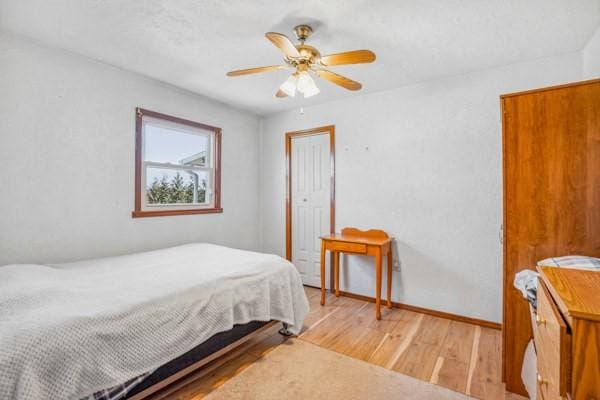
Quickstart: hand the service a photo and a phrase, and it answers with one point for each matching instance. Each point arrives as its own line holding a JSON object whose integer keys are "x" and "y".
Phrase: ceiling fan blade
{"x": 255, "y": 70}
{"x": 339, "y": 80}
{"x": 349, "y": 57}
{"x": 280, "y": 93}
{"x": 283, "y": 43}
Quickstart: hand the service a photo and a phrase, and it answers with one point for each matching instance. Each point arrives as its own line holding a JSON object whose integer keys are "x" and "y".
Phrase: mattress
{"x": 71, "y": 330}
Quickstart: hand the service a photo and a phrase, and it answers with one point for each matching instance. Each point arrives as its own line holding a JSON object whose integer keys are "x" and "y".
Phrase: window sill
{"x": 168, "y": 213}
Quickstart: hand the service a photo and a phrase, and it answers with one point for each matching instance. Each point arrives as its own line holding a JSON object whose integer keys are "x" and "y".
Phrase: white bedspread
{"x": 67, "y": 331}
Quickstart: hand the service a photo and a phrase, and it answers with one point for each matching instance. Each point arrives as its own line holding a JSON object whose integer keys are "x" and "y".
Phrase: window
{"x": 177, "y": 166}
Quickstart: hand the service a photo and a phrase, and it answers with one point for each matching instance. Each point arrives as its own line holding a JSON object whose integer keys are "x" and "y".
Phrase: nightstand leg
{"x": 322, "y": 272}
{"x": 378, "y": 284}
{"x": 336, "y": 272}
{"x": 390, "y": 262}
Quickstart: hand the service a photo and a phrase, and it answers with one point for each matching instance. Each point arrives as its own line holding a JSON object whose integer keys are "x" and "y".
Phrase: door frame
{"x": 322, "y": 130}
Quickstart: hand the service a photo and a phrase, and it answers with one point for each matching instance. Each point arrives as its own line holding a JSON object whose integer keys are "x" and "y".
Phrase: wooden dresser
{"x": 566, "y": 330}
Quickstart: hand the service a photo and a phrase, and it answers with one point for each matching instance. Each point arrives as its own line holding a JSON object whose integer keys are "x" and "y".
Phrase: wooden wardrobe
{"x": 551, "y": 164}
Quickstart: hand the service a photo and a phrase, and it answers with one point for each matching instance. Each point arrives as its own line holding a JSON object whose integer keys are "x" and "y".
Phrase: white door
{"x": 310, "y": 205}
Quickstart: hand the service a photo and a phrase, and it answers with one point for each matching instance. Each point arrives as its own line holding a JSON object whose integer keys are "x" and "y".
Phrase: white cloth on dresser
{"x": 526, "y": 281}
{"x": 67, "y": 331}
{"x": 577, "y": 262}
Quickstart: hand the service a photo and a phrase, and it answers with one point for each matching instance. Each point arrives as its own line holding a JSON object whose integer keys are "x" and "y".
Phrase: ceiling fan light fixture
{"x": 311, "y": 89}
{"x": 289, "y": 86}
{"x": 304, "y": 81}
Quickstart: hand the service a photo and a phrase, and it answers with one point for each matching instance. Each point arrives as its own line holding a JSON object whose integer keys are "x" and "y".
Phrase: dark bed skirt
{"x": 205, "y": 349}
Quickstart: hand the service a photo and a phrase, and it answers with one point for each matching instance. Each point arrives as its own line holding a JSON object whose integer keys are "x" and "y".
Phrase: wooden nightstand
{"x": 373, "y": 242}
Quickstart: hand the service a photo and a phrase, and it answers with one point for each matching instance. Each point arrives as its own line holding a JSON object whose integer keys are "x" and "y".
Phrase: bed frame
{"x": 170, "y": 383}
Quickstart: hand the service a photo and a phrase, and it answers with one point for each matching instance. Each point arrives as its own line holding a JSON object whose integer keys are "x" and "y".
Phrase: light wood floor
{"x": 460, "y": 356}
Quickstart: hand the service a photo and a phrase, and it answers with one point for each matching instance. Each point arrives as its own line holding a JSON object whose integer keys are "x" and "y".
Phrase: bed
{"x": 70, "y": 331}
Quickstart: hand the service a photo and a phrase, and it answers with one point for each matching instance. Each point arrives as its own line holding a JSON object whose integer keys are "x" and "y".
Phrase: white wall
{"x": 591, "y": 57}
{"x": 431, "y": 175}
{"x": 424, "y": 163}
{"x": 67, "y": 160}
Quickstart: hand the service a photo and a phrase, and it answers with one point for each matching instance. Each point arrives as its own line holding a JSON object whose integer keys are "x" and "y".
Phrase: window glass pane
{"x": 175, "y": 186}
{"x": 166, "y": 145}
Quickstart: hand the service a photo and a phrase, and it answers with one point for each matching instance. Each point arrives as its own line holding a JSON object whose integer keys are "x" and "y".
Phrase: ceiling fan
{"x": 305, "y": 59}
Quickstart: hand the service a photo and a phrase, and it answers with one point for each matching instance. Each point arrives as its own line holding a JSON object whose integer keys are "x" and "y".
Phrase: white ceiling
{"x": 192, "y": 43}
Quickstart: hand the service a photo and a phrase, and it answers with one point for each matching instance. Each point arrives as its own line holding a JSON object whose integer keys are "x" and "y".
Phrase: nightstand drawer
{"x": 347, "y": 247}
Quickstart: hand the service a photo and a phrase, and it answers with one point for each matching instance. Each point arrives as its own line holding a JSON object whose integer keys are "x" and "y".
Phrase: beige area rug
{"x": 300, "y": 370}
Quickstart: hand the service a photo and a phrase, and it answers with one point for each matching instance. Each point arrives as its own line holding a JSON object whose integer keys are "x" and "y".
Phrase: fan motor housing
{"x": 308, "y": 55}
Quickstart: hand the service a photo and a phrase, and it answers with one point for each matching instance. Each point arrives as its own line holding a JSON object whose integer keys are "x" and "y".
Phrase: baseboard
{"x": 435, "y": 313}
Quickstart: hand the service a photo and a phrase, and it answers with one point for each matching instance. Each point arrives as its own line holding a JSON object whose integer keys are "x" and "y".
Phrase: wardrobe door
{"x": 551, "y": 157}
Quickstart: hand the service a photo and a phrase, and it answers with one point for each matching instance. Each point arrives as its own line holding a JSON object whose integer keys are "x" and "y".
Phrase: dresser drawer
{"x": 347, "y": 247}
{"x": 553, "y": 347}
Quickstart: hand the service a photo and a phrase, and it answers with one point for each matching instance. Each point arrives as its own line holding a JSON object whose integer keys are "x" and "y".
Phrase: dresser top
{"x": 576, "y": 291}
